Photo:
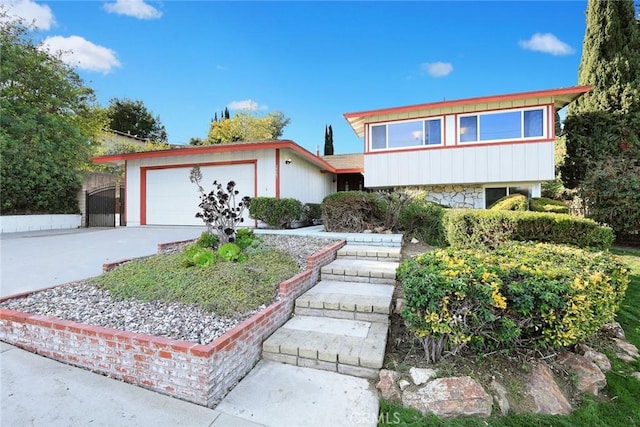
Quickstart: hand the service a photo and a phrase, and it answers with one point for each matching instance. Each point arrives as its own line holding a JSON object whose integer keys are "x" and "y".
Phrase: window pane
{"x": 492, "y": 195}
{"x": 405, "y": 134}
{"x": 500, "y": 126}
{"x": 525, "y": 191}
{"x": 533, "y": 125}
{"x": 468, "y": 128}
{"x": 434, "y": 132}
{"x": 378, "y": 137}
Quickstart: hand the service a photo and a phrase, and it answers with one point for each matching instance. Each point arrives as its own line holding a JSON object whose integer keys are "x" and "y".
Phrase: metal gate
{"x": 102, "y": 206}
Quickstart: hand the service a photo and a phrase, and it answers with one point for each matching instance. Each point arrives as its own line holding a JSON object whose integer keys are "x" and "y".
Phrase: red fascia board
{"x": 575, "y": 90}
{"x": 220, "y": 148}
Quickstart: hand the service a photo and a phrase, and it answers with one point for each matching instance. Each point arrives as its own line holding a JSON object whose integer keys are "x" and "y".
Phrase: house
{"x": 464, "y": 153}
{"x": 158, "y": 190}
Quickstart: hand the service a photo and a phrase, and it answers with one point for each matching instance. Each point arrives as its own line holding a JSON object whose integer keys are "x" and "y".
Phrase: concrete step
{"x": 349, "y": 347}
{"x": 373, "y": 253}
{"x": 347, "y": 300}
{"x": 362, "y": 271}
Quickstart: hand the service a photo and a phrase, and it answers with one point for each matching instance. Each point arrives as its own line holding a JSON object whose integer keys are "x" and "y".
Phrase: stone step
{"x": 347, "y": 300}
{"x": 345, "y": 346}
{"x": 362, "y": 271}
{"x": 373, "y": 253}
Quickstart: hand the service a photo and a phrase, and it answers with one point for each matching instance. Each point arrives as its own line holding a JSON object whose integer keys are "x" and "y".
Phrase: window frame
{"x": 510, "y": 190}
{"x": 521, "y": 110}
{"x": 422, "y": 145}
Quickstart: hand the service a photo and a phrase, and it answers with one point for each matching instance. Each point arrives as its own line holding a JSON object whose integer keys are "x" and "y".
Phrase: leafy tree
{"x": 247, "y": 127}
{"x": 328, "y": 141}
{"x": 48, "y": 123}
{"x": 133, "y": 117}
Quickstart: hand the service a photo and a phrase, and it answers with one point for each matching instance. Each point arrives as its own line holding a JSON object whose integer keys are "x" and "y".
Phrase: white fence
{"x": 15, "y": 223}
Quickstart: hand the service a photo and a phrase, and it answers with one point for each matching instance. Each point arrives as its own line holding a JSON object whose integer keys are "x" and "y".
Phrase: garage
{"x": 171, "y": 199}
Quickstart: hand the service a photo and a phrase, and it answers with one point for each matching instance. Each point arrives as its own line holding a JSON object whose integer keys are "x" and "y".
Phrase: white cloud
{"x": 247, "y": 104}
{"x": 221, "y": 68}
{"x": 136, "y": 8}
{"x": 546, "y": 43}
{"x": 81, "y": 53}
{"x": 437, "y": 69}
{"x": 39, "y": 15}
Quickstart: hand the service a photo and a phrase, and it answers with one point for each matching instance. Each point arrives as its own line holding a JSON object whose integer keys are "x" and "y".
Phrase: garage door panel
{"x": 173, "y": 200}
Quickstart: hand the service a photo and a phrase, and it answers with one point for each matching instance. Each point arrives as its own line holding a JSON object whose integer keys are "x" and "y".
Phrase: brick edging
{"x": 199, "y": 373}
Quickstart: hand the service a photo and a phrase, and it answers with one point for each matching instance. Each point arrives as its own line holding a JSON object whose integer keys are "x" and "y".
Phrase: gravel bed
{"x": 84, "y": 302}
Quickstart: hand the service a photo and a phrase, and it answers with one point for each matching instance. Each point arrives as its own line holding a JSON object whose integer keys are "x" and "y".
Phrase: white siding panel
{"x": 173, "y": 200}
{"x": 302, "y": 180}
{"x": 505, "y": 154}
{"x": 450, "y": 130}
{"x": 519, "y": 162}
{"x": 132, "y": 201}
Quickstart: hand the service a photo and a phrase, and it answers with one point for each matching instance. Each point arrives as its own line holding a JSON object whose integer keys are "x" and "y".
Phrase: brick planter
{"x": 198, "y": 373}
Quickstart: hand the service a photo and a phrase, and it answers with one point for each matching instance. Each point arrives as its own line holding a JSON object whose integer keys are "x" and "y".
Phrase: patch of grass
{"x": 618, "y": 406}
{"x": 225, "y": 288}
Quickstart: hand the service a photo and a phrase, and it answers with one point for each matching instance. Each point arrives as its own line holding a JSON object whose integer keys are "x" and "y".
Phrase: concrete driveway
{"x": 36, "y": 391}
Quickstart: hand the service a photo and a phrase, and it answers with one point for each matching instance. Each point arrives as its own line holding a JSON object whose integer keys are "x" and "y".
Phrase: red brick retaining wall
{"x": 198, "y": 373}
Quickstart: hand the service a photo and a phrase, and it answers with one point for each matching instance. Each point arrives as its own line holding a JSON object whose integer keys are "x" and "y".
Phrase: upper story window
{"x": 406, "y": 134}
{"x": 502, "y": 125}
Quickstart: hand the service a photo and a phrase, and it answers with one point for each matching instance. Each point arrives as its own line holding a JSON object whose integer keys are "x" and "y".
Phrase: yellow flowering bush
{"x": 518, "y": 295}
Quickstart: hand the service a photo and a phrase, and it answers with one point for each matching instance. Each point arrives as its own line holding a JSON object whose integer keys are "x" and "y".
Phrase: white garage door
{"x": 173, "y": 200}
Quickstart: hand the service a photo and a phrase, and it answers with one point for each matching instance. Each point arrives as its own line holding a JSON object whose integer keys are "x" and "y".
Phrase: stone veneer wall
{"x": 198, "y": 373}
{"x": 456, "y": 196}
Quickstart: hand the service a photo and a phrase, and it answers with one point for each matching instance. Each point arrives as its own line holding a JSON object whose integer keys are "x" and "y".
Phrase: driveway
{"x": 36, "y": 391}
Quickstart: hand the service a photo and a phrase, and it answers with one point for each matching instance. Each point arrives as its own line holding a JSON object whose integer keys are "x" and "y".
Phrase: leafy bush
{"x": 514, "y": 202}
{"x": 356, "y": 211}
{"x": 219, "y": 210}
{"x": 231, "y": 252}
{"x": 198, "y": 256}
{"x": 520, "y": 295}
{"x": 277, "y": 213}
{"x": 244, "y": 238}
{"x": 313, "y": 212}
{"x": 471, "y": 228}
{"x": 208, "y": 240}
{"x": 423, "y": 220}
{"x": 543, "y": 204}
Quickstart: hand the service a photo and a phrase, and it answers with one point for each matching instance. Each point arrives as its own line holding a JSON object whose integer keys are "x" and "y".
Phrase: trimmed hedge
{"x": 423, "y": 220}
{"x": 520, "y": 295}
{"x": 543, "y": 204}
{"x": 313, "y": 211}
{"x": 514, "y": 202}
{"x": 349, "y": 211}
{"x": 277, "y": 213}
{"x": 466, "y": 228}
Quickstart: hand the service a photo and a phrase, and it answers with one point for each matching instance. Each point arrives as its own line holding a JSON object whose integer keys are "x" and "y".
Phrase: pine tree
{"x": 328, "y": 141}
{"x": 226, "y": 113}
{"x": 610, "y": 61}
{"x": 215, "y": 117}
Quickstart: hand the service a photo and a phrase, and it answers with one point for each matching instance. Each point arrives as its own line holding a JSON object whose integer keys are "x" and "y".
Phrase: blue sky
{"x": 314, "y": 61}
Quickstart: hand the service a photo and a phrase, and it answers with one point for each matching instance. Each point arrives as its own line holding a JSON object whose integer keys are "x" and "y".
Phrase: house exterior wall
{"x": 478, "y": 164}
{"x": 301, "y": 180}
{"x": 471, "y": 197}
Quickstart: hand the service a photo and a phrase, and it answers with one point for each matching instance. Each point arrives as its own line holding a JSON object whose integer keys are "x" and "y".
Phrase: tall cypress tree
{"x": 328, "y": 141}
{"x": 610, "y": 61}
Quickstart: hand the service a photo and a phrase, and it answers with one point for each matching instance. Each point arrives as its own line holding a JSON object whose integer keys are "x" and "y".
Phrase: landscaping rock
{"x": 450, "y": 397}
{"x": 399, "y": 306}
{"x": 414, "y": 241}
{"x": 545, "y": 393}
{"x": 387, "y": 385}
{"x": 636, "y": 375}
{"x": 613, "y": 330}
{"x": 629, "y": 351}
{"x": 596, "y": 357}
{"x": 500, "y": 396}
{"x": 403, "y": 384}
{"x": 590, "y": 378}
{"x": 421, "y": 375}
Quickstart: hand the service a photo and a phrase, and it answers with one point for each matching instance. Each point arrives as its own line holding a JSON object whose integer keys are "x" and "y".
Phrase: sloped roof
{"x": 346, "y": 163}
{"x": 561, "y": 98}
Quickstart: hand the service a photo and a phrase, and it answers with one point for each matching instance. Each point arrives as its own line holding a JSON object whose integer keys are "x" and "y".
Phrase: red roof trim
{"x": 221, "y": 148}
{"x": 575, "y": 90}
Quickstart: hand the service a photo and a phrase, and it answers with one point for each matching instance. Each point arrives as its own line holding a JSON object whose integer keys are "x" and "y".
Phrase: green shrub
{"x": 244, "y": 238}
{"x": 533, "y": 295}
{"x": 348, "y": 211}
{"x": 208, "y": 240}
{"x": 514, "y": 202}
{"x": 198, "y": 256}
{"x": 313, "y": 212}
{"x": 543, "y": 204}
{"x": 277, "y": 213}
{"x": 231, "y": 252}
{"x": 423, "y": 220}
{"x": 471, "y": 228}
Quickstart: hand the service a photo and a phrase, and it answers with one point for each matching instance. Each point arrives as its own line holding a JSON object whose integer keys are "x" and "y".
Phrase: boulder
{"x": 450, "y": 397}
{"x": 545, "y": 393}
{"x": 414, "y": 241}
{"x": 636, "y": 375}
{"x": 500, "y": 396}
{"x": 387, "y": 385}
{"x": 589, "y": 378}
{"x": 629, "y": 351}
{"x": 613, "y": 330}
{"x": 420, "y": 376}
{"x": 403, "y": 384}
{"x": 399, "y": 306}
{"x": 596, "y": 357}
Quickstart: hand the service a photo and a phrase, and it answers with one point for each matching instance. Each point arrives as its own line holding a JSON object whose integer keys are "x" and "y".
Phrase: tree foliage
{"x": 133, "y": 117}
{"x": 328, "y": 141}
{"x": 48, "y": 123}
{"x": 245, "y": 126}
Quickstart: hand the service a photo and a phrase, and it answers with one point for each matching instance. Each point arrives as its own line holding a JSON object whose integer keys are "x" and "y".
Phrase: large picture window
{"x": 406, "y": 134}
{"x": 492, "y": 195}
{"x": 502, "y": 125}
